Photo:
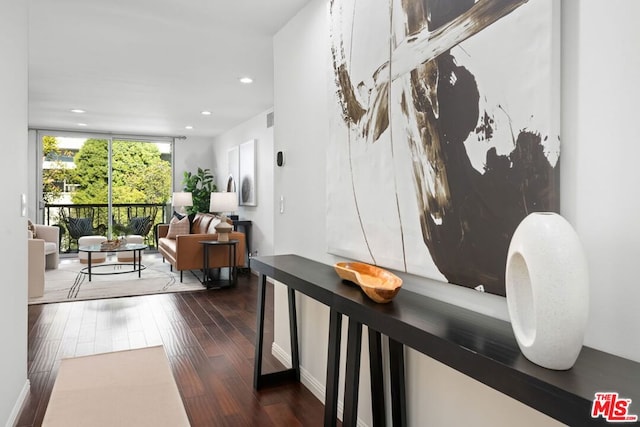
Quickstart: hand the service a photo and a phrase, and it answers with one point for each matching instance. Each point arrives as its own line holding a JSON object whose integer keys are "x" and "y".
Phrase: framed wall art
{"x": 444, "y": 132}
{"x": 233, "y": 167}
{"x": 246, "y": 186}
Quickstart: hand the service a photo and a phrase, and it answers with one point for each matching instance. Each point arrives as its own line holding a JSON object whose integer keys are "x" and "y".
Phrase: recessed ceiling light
{"x": 82, "y": 124}
{"x": 246, "y": 80}
{"x": 188, "y": 127}
{"x": 78, "y": 110}
{"x": 206, "y": 113}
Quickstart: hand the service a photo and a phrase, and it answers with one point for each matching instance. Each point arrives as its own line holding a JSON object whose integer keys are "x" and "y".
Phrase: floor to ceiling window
{"x": 101, "y": 185}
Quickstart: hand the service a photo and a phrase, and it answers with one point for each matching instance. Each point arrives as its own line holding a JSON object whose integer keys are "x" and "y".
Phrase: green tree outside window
{"x": 140, "y": 175}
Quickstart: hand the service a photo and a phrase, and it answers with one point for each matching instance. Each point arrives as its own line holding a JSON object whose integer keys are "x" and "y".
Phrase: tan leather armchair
{"x": 186, "y": 253}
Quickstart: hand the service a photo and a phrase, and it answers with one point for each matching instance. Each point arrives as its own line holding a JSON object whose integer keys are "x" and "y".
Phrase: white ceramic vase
{"x": 547, "y": 288}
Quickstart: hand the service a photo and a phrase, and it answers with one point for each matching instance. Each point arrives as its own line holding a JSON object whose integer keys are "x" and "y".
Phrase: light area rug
{"x": 67, "y": 283}
{"x": 122, "y": 388}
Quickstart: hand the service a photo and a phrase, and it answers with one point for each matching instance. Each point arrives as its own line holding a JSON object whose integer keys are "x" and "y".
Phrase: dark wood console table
{"x": 479, "y": 346}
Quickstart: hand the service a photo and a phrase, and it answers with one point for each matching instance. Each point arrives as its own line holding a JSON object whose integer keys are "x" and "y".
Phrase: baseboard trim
{"x": 269, "y": 279}
{"x": 17, "y": 408}
{"x": 309, "y": 381}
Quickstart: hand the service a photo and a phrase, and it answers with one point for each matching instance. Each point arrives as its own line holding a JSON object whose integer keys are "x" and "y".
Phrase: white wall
{"x": 301, "y": 118}
{"x": 13, "y": 174}
{"x": 598, "y": 177}
{"x": 261, "y": 216}
{"x": 32, "y": 198}
{"x": 600, "y": 173}
{"x": 189, "y": 155}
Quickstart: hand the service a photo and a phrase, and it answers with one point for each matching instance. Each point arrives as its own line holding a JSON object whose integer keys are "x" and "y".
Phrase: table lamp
{"x": 180, "y": 200}
{"x": 221, "y": 203}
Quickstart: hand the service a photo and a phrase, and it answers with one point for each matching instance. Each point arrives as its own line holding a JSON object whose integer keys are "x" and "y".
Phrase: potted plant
{"x": 200, "y": 185}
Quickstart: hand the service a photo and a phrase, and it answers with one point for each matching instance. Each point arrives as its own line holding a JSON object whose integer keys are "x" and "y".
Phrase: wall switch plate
{"x": 23, "y": 205}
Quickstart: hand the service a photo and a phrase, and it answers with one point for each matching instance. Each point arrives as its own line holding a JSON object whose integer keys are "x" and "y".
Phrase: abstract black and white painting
{"x": 247, "y": 172}
{"x": 445, "y": 132}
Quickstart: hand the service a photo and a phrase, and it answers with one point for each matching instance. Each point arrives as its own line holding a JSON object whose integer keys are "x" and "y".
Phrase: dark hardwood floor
{"x": 208, "y": 337}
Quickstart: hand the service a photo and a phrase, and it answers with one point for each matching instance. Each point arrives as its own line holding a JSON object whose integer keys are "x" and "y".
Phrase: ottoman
{"x": 127, "y": 256}
{"x": 96, "y": 257}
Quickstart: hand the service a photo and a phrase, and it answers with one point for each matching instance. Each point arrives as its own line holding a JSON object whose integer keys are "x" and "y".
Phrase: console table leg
{"x": 333, "y": 370}
{"x": 352, "y": 374}
{"x": 257, "y": 363}
{"x": 293, "y": 333}
{"x": 398, "y": 397}
{"x": 261, "y": 380}
{"x": 377, "y": 378}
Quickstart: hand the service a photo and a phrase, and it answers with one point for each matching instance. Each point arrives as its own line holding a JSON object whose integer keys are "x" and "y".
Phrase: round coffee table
{"x": 136, "y": 248}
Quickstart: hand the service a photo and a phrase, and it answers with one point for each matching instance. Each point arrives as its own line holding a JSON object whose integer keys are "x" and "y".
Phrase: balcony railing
{"x": 129, "y": 216}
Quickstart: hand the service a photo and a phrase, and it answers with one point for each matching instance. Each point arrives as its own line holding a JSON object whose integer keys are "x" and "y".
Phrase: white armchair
{"x": 43, "y": 254}
{"x": 51, "y": 236}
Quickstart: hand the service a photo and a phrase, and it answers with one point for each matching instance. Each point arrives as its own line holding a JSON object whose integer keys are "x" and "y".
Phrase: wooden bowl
{"x": 377, "y": 283}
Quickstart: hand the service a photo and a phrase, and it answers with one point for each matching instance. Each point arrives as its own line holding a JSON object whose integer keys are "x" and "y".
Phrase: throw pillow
{"x": 178, "y": 227}
{"x": 191, "y": 216}
{"x": 140, "y": 225}
{"x": 31, "y": 228}
{"x": 79, "y": 227}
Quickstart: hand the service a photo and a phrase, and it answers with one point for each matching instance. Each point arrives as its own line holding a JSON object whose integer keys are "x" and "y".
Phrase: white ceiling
{"x": 149, "y": 67}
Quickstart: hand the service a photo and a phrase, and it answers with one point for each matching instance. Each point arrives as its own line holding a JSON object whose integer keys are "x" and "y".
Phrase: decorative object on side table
{"x": 378, "y": 284}
{"x": 221, "y": 203}
{"x": 547, "y": 288}
{"x": 231, "y": 184}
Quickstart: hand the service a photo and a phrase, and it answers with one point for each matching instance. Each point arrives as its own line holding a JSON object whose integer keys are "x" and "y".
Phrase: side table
{"x": 207, "y": 278}
{"x": 246, "y": 228}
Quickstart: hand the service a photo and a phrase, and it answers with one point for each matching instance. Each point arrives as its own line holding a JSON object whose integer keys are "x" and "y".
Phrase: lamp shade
{"x": 223, "y": 202}
{"x": 182, "y": 198}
